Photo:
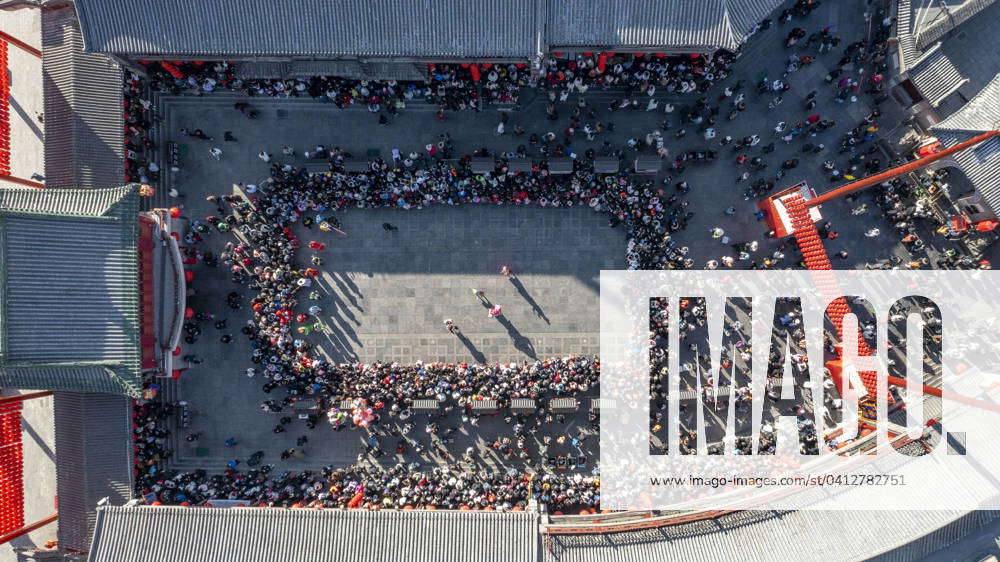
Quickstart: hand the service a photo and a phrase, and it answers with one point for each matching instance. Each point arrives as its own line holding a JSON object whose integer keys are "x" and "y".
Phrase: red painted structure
{"x": 147, "y": 334}
{"x": 4, "y": 112}
{"x": 5, "y": 37}
{"x": 12, "y": 469}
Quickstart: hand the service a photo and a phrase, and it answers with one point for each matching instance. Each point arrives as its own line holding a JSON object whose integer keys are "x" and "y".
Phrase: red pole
{"x": 21, "y": 181}
{"x": 20, "y": 44}
{"x": 23, "y": 397}
{"x": 897, "y": 171}
{"x": 25, "y": 530}
{"x": 934, "y": 391}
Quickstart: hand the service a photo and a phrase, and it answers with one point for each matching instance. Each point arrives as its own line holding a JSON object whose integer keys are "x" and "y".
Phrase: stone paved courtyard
{"x": 385, "y": 295}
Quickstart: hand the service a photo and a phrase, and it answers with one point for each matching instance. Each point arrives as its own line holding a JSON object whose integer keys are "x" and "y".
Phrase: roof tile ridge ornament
{"x": 54, "y": 201}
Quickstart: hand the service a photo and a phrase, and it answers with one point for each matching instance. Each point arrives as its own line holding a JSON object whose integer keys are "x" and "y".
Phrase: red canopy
{"x": 930, "y": 149}
{"x": 987, "y": 225}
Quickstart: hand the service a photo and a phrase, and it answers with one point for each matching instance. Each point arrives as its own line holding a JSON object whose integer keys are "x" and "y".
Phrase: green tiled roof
{"x": 69, "y": 280}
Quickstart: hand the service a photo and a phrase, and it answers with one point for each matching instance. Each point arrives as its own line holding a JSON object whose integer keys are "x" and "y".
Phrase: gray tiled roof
{"x": 978, "y": 115}
{"x": 263, "y": 69}
{"x": 397, "y": 28}
{"x": 94, "y": 451}
{"x": 181, "y": 534}
{"x": 904, "y": 32}
{"x": 667, "y": 24}
{"x": 69, "y": 285}
{"x": 306, "y": 69}
{"x": 394, "y": 71}
{"x": 765, "y": 536}
{"x": 960, "y": 65}
{"x": 83, "y": 108}
{"x": 78, "y": 202}
{"x": 310, "y": 28}
{"x": 935, "y": 18}
{"x": 342, "y": 68}
{"x": 936, "y": 76}
{"x": 980, "y": 164}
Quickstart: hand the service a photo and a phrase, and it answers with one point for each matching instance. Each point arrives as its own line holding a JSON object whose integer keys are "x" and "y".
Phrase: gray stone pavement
{"x": 26, "y": 104}
{"x": 385, "y": 297}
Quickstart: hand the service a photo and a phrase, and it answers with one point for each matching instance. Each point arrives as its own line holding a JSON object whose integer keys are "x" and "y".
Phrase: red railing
{"x": 11, "y": 468}
{"x": 4, "y": 112}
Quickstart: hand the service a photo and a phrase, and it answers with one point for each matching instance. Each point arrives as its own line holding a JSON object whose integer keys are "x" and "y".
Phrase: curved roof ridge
{"x": 65, "y": 202}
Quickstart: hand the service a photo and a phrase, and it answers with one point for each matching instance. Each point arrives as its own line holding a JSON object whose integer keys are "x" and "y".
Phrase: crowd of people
{"x": 455, "y": 86}
{"x": 357, "y": 486}
{"x": 264, "y": 259}
{"x": 395, "y": 386}
{"x": 696, "y": 368}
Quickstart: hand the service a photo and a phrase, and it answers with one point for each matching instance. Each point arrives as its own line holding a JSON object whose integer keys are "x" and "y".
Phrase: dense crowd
{"x": 454, "y": 86}
{"x": 356, "y": 486}
{"x": 264, "y": 260}
{"x": 730, "y": 376}
{"x": 395, "y": 386}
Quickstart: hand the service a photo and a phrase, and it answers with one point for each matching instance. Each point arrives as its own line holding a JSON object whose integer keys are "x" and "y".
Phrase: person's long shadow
{"x": 521, "y": 343}
{"x": 476, "y": 354}
{"x": 527, "y": 297}
{"x": 348, "y": 288}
